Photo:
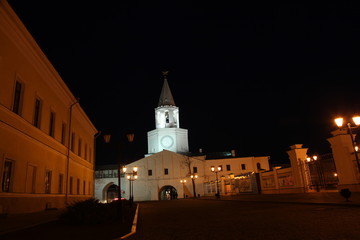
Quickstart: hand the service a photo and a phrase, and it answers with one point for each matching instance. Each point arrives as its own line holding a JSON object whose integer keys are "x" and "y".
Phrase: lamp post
{"x": 107, "y": 138}
{"x": 314, "y": 161}
{"x": 356, "y": 119}
{"x": 183, "y": 181}
{"x": 217, "y": 180}
{"x": 132, "y": 176}
{"x": 193, "y": 178}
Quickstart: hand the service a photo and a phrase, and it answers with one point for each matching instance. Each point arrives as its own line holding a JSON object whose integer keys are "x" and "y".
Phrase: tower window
{"x": 166, "y": 171}
{"x": 149, "y": 172}
{"x": 167, "y": 117}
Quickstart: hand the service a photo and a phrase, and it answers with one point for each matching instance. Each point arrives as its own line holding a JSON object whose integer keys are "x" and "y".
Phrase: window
{"x": 63, "y": 133}
{"x": 61, "y": 180}
{"x": 85, "y": 151}
{"x": 48, "y": 181}
{"x": 78, "y": 186}
{"x": 195, "y": 170}
{"x": 84, "y": 187}
{"x": 89, "y": 187}
{"x": 243, "y": 166}
{"x": 149, "y": 172}
{"x": 6, "y": 178}
{"x": 228, "y": 168}
{"x": 71, "y": 185}
{"x": 79, "y": 147}
{"x": 90, "y": 155}
{"x": 37, "y": 112}
{"x": 17, "y": 97}
{"x": 73, "y": 142}
{"x": 167, "y": 117}
{"x": 258, "y": 165}
{"x": 166, "y": 171}
{"x": 52, "y": 124}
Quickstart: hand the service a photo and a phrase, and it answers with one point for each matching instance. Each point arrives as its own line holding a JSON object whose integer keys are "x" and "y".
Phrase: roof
{"x": 166, "y": 98}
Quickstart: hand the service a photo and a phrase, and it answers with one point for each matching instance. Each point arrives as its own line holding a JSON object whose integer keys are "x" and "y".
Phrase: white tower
{"x": 168, "y": 134}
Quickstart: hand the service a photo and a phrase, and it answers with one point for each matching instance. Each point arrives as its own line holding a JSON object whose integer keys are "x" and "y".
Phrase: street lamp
{"x": 313, "y": 160}
{"x": 183, "y": 181}
{"x": 217, "y": 181}
{"x": 356, "y": 119}
{"x": 107, "y": 138}
{"x": 132, "y": 176}
{"x": 193, "y": 177}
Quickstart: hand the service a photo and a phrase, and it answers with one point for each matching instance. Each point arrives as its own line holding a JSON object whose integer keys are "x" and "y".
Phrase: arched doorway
{"x": 112, "y": 193}
{"x": 167, "y": 193}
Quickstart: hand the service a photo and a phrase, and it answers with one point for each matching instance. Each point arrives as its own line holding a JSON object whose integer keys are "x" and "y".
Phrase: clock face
{"x": 167, "y": 141}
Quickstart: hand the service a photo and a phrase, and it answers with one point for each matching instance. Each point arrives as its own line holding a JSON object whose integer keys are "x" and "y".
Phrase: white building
{"x": 161, "y": 173}
{"x": 46, "y": 139}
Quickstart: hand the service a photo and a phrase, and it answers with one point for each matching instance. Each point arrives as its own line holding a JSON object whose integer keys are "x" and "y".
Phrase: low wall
{"x": 279, "y": 180}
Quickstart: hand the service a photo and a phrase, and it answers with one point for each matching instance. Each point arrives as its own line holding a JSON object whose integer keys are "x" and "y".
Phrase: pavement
{"x": 16, "y": 222}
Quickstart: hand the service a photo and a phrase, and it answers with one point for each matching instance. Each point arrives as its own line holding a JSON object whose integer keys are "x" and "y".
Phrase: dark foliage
{"x": 91, "y": 211}
{"x": 346, "y": 193}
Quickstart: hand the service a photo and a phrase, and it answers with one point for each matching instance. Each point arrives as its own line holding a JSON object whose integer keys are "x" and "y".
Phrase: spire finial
{"x": 165, "y": 73}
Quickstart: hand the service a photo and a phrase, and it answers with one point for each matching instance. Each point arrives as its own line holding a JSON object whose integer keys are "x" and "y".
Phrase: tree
{"x": 188, "y": 163}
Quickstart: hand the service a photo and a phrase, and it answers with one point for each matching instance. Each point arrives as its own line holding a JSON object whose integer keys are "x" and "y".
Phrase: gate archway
{"x": 168, "y": 192}
{"x": 112, "y": 193}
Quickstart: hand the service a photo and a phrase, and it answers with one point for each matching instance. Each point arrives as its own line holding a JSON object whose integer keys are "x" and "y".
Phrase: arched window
{"x": 167, "y": 117}
{"x": 258, "y": 165}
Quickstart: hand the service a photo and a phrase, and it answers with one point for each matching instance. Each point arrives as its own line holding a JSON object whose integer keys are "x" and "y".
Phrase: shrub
{"x": 346, "y": 193}
{"x": 90, "y": 211}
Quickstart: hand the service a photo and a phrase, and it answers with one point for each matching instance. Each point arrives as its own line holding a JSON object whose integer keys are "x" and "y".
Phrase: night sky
{"x": 256, "y": 78}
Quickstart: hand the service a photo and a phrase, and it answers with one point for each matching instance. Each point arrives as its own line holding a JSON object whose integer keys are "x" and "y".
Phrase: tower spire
{"x": 166, "y": 98}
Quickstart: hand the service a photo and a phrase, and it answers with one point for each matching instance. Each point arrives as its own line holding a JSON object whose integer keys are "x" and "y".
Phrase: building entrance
{"x": 112, "y": 193}
{"x": 168, "y": 193}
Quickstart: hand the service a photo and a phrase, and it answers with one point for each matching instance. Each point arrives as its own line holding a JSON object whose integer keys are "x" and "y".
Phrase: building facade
{"x": 46, "y": 139}
{"x": 165, "y": 172}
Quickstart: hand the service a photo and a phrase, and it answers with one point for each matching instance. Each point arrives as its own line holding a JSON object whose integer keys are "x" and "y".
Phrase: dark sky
{"x": 255, "y": 78}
